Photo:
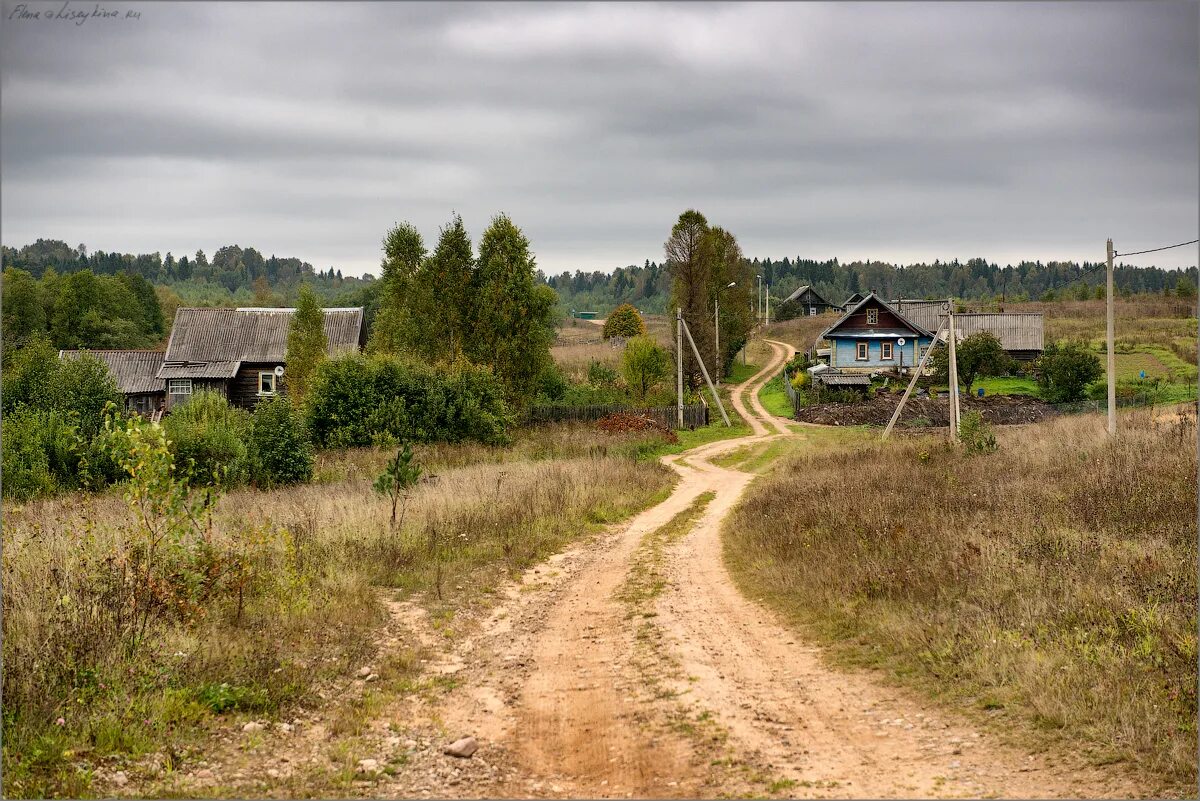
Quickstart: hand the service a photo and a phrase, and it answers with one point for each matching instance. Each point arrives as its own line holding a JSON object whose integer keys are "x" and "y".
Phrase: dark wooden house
{"x": 804, "y": 302}
{"x": 136, "y": 374}
{"x": 241, "y": 352}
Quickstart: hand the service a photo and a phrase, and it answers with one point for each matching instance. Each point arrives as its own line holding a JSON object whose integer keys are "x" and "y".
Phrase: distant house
{"x": 241, "y": 352}
{"x": 873, "y": 337}
{"x": 136, "y": 374}
{"x": 1021, "y": 334}
{"x": 804, "y": 302}
{"x": 852, "y": 301}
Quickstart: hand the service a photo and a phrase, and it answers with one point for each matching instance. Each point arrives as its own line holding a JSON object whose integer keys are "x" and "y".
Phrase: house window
{"x": 885, "y": 350}
{"x": 861, "y": 354}
{"x": 872, "y": 316}
{"x": 266, "y": 383}
{"x": 812, "y": 311}
{"x": 180, "y": 386}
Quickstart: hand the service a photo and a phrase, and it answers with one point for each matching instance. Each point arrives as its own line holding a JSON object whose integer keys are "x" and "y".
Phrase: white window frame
{"x": 885, "y": 352}
{"x": 812, "y": 311}
{"x": 179, "y": 386}
{"x": 862, "y": 351}
{"x": 872, "y": 316}
{"x": 274, "y": 386}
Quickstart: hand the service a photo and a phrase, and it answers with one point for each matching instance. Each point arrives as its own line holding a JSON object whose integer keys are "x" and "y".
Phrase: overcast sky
{"x": 900, "y": 132}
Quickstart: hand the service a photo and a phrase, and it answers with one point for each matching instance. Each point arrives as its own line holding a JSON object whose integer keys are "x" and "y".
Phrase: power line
{"x": 1155, "y": 250}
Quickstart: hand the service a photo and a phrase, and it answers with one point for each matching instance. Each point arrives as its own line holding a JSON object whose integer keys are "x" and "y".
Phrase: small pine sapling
{"x": 401, "y": 475}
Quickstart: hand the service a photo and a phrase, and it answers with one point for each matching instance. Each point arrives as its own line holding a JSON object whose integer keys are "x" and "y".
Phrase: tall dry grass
{"x": 1051, "y": 583}
{"x": 303, "y": 605}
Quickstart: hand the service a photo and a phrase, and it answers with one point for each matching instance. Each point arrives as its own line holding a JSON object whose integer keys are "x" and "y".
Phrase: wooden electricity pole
{"x": 912, "y": 383}
{"x": 704, "y": 371}
{"x": 953, "y": 374}
{"x": 1112, "y": 354}
{"x": 679, "y": 362}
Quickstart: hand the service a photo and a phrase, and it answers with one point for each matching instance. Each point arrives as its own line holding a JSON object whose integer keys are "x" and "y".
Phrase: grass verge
{"x": 1050, "y": 585}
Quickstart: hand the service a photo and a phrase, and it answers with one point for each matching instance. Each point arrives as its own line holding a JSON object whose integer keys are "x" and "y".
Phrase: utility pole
{"x": 768, "y": 319}
{"x": 759, "y": 277}
{"x": 912, "y": 382}
{"x": 704, "y": 371}
{"x": 1112, "y": 355}
{"x": 717, "y": 336}
{"x": 679, "y": 362}
{"x": 953, "y": 375}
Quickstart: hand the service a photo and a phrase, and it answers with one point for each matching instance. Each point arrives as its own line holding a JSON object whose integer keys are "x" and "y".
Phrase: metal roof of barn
{"x": 135, "y": 371}
{"x": 213, "y": 343}
{"x": 843, "y": 379}
{"x": 1015, "y": 330}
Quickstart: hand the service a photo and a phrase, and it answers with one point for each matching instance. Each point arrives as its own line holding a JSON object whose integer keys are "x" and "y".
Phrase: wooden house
{"x": 136, "y": 374}
{"x": 241, "y": 353}
{"x": 874, "y": 337}
{"x": 804, "y": 302}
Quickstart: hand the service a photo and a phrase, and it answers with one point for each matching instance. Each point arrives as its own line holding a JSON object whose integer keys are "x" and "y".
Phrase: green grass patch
{"x": 740, "y": 373}
{"x": 774, "y": 398}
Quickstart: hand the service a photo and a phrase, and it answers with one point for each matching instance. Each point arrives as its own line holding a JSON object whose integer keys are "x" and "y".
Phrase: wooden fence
{"x": 694, "y": 415}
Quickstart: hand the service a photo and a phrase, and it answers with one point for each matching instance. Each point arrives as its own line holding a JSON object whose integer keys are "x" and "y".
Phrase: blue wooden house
{"x": 873, "y": 337}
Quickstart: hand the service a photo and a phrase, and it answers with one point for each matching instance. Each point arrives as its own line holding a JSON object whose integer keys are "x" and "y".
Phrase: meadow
{"x": 271, "y": 594}
{"x": 1060, "y": 600}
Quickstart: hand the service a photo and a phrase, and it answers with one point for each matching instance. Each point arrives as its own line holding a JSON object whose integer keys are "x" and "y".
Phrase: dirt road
{"x": 631, "y": 666}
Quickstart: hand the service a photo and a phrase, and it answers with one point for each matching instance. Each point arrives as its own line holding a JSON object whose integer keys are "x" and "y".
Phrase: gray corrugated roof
{"x": 134, "y": 370}
{"x": 1015, "y": 330}
{"x": 212, "y": 343}
{"x": 843, "y": 379}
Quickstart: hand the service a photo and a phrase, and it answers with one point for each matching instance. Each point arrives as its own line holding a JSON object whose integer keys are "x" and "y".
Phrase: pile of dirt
{"x": 622, "y": 422}
{"x": 926, "y": 412}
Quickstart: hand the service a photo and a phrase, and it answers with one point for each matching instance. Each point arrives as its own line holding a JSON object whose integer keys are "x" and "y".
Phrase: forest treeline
{"x": 648, "y": 287}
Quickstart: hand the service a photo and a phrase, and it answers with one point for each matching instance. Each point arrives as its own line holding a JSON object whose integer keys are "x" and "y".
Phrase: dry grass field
{"x": 1051, "y": 583}
{"x": 276, "y": 594}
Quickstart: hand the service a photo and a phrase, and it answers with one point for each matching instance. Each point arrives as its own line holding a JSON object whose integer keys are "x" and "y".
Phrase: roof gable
{"x": 873, "y": 300}
{"x": 802, "y": 291}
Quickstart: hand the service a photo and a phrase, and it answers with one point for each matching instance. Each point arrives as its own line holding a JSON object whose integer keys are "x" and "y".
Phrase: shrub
{"x": 552, "y": 384}
{"x": 624, "y": 322}
{"x": 645, "y": 364}
{"x": 600, "y": 374}
{"x": 370, "y": 400}
{"x": 975, "y": 434}
{"x": 85, "y": 387}
{"x": 208, "y": 439}
{"x": 1065, "y": 370}
{"x": 281, "y": 452}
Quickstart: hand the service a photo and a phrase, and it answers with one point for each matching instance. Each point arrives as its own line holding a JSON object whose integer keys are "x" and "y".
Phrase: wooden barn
{"x": 804, "y": 302}
{"x": 136, "y": 374}
{"x": 241, "y": 353}
{"x": 1021, "y": 334}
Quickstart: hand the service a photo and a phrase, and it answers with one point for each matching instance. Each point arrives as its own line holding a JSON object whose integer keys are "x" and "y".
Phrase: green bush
{"x": 281, "y": 452}
{"x": 42, "y": 452}
{"x": 372, "y": 400}
{"x": 975, "y": 434}
{"x": 552, "y": 384}
{"x": 600, "y": 374}
{"x": 1065, "y": 370}
{"x": 624, "y": 321}
{"x": 208, "y": 440}
{"x": 84, "y": 387}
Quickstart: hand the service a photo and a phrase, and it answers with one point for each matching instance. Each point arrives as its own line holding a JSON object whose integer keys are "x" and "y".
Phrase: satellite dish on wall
{"x": 900, "y": 342}
{"x": 279, "y": 371}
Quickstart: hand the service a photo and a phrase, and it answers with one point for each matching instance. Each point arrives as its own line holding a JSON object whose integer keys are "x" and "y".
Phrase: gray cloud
{"x": 890, "y": 131}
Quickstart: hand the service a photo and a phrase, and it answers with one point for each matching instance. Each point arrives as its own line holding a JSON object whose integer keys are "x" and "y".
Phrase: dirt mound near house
{"x": 622, "y": 422}
{"x": 925, "y": 412}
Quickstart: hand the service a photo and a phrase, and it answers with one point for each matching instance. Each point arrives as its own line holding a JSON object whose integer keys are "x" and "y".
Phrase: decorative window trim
{"x": 861, "y": 352}
{"x": 179, "y": 386}
{"x": 872, "y": 316}
{"x": 885, "y": 351}
{"x": 274, "y": 386}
